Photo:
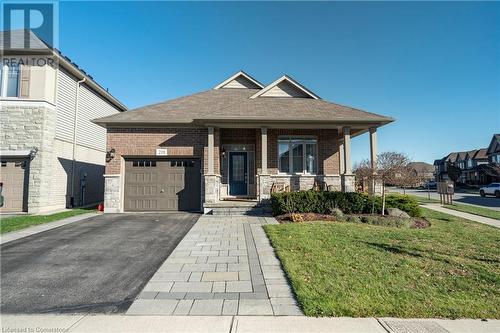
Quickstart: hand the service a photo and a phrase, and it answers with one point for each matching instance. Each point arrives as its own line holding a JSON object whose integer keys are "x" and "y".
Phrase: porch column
{"x": 211, "y": 169}
{"x": 373, "y": 148}
{"x": 341, "y": 158}
{"x": 264, "y": 150}
{"x": 347, "y": 151}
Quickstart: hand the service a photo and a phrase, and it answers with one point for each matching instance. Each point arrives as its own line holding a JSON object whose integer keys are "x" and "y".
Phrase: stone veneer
{"x": 25, "y": 126}
{"x": 112, "y": 194}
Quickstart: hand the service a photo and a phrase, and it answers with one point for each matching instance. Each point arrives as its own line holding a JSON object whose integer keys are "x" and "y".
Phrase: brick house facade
{"x": 246, "y": 137}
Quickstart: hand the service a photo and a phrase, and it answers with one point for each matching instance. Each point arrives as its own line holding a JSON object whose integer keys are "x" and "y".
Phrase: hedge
{"x": 348, "y": 203}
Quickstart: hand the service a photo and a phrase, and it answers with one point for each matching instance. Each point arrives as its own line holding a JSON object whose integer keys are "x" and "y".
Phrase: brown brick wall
{"x": 193, "y": 142}
{"x": 328, "y": 148}
{"x": 129, "y": 142}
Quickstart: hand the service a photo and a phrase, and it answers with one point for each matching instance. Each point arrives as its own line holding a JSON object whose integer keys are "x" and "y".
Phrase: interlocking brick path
{"x": 225, "y": 265}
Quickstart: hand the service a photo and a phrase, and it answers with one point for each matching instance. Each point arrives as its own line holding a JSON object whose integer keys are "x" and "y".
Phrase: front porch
{"x": 249, "y": 163}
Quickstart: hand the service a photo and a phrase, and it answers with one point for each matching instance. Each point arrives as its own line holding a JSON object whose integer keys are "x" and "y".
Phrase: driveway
{"x": 96, "y": 265}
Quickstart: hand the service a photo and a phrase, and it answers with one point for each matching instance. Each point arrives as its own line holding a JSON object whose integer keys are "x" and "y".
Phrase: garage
{"x": 13, "y": 178}
{"x": 172, "y": 184}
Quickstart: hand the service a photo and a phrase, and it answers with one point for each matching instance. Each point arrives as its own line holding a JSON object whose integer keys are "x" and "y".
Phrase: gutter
{"x": 75, "y": 125}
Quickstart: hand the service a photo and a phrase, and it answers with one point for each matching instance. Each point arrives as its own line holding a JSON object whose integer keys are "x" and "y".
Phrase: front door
{"x": 238, "y": 177}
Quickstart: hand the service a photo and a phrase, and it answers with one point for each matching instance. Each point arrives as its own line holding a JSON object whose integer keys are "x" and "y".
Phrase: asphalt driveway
{"x": 97, "y": 265}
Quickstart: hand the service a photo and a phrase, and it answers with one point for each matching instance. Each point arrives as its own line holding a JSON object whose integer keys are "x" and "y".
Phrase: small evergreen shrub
{"x": 347, "y": 203}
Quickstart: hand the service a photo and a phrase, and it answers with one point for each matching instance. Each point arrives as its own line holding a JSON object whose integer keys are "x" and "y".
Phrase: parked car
{"x": 430, "y": 184}
{"x": 492, "y": 189}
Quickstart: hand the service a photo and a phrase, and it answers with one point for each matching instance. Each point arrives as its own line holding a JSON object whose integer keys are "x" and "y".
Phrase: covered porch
{"x": 249, "y": 161}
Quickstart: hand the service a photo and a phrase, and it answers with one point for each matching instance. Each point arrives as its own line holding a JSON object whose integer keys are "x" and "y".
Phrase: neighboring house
{"x": 234, "y": 141}
{"x": 493, "y": 150}
{"x": 475, "y": 165}
{"x": 474, "y": 172}
{"x": 52, "y": 155}
{"x": 441, "y": 166}
{"x": 424, "y": 171}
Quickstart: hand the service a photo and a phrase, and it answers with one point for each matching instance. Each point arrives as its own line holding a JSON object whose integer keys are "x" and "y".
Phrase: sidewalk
{"x": 239, "y": 324}
{"x": 14, "y": 235}
{"x": 472, "y": 217}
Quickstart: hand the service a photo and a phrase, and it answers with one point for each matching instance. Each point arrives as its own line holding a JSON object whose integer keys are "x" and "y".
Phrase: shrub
{"x": 353, "y": 219}
{"x": 348, "y": 203}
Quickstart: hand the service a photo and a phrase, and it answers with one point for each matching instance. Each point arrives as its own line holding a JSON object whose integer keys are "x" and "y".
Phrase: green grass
{"x": 14, "y": 223}
{"x": 450, "y": 270}
{"x": 494, "y": 214}
{"x": 422, "y": 199}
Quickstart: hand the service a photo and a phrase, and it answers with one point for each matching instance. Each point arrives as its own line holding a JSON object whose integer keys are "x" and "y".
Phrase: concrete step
{"x": 241, "y": 211}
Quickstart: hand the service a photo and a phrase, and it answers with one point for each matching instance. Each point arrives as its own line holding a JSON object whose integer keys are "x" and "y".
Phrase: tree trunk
{"x": 404, "y": 190}
{"x": 383, "y": 198}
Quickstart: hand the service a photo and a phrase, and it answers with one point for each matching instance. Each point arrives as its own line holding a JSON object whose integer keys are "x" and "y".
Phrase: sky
{"x": 433, "y": 66}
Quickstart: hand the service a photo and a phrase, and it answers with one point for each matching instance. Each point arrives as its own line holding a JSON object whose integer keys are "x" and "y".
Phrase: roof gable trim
{"x": 252, "y": 83}
{"x": 290, "y": 81}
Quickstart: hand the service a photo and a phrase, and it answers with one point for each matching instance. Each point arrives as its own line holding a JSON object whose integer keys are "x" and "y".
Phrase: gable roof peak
{"x": 240, "y": 80}
{"x": 285, "y": 86}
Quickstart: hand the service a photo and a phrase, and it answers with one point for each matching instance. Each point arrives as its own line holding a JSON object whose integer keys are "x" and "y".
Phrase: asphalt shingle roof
{"x": 236, "y": 104}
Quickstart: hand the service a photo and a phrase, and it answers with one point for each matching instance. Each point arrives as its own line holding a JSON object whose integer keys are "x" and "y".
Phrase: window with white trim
{"x": 297, "y": 155}
{"x": 9, "y": 83}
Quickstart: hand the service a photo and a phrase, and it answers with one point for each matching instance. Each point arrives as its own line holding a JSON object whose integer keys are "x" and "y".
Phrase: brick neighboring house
{"x": 232, "y": 142}
{"x": 52, "y": 155}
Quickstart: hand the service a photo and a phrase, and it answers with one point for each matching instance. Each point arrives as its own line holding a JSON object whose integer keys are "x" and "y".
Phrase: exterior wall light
{"x": 110, "y": 154}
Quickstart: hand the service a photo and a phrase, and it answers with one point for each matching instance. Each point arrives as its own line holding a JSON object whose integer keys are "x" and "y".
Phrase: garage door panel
{"x": 13, "y": 175}
{"x": 162, "y": 184}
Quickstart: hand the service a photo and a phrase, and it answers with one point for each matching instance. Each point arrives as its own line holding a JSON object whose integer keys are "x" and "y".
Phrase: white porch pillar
{"x": 211, "y": 169}
{"x": 264, "y": 150}
{"x": 341, "y": 159}
{"x": 373, "y": 148}
{"x": 347, "y": 151}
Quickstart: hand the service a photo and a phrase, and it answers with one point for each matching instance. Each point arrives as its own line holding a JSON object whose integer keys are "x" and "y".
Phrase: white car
{"x": 492, "y": 189}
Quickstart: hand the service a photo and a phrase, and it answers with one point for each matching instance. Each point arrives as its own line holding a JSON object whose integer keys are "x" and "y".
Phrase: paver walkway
{"x": 223, "y": 266}
{"x": 472, "y": 217}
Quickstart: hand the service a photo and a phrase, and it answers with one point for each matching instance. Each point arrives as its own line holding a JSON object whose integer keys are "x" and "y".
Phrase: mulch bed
{"x": 418, "y": 222}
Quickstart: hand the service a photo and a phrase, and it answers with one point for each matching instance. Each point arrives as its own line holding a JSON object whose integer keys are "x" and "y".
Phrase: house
{"x": 424, "y": 171}
{"x": 234, "y": 141}
{"x": 441, "y": 166}
{"x": 493, "y": 150}
{"x": 52, "y": 155}
{"x": 475, "y": 165}
{"x": 473, "y": 172}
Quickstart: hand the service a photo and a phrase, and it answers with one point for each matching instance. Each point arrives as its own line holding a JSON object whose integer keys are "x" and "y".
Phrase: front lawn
{"x": 494, "y": 214}
{"x": 14, "y": 223}
{"x": 450, "y": 270}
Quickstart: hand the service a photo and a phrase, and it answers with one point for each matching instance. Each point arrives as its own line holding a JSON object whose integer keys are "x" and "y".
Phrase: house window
{"x": 298, "y": 155}
{"x": 9, "y": 86}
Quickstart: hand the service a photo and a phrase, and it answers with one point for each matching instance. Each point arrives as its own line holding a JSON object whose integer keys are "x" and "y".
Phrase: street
{"x": 463, "y": 198}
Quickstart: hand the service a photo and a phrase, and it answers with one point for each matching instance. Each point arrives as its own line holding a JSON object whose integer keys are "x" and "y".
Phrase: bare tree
{"x": 454, "y": 172}
{"x": 409, "y": 178}
{"x": 363, "y": 173}
{"x": 492, "y": 170}
{"x": 391, "y": 169}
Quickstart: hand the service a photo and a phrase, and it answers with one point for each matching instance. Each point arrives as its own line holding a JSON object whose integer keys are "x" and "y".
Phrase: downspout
{"x": 75, "y": 124}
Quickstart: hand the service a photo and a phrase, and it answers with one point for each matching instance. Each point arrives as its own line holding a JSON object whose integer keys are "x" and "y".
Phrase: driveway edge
{"x": 15, "y": 235}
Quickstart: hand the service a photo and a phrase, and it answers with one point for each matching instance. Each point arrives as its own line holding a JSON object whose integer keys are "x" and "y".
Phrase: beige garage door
{"x": 162, "y": 184}
{"x": 12, "y": 175}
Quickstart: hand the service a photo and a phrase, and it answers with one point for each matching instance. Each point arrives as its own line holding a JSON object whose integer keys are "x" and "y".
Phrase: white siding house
{"x": 46, "y": 131}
